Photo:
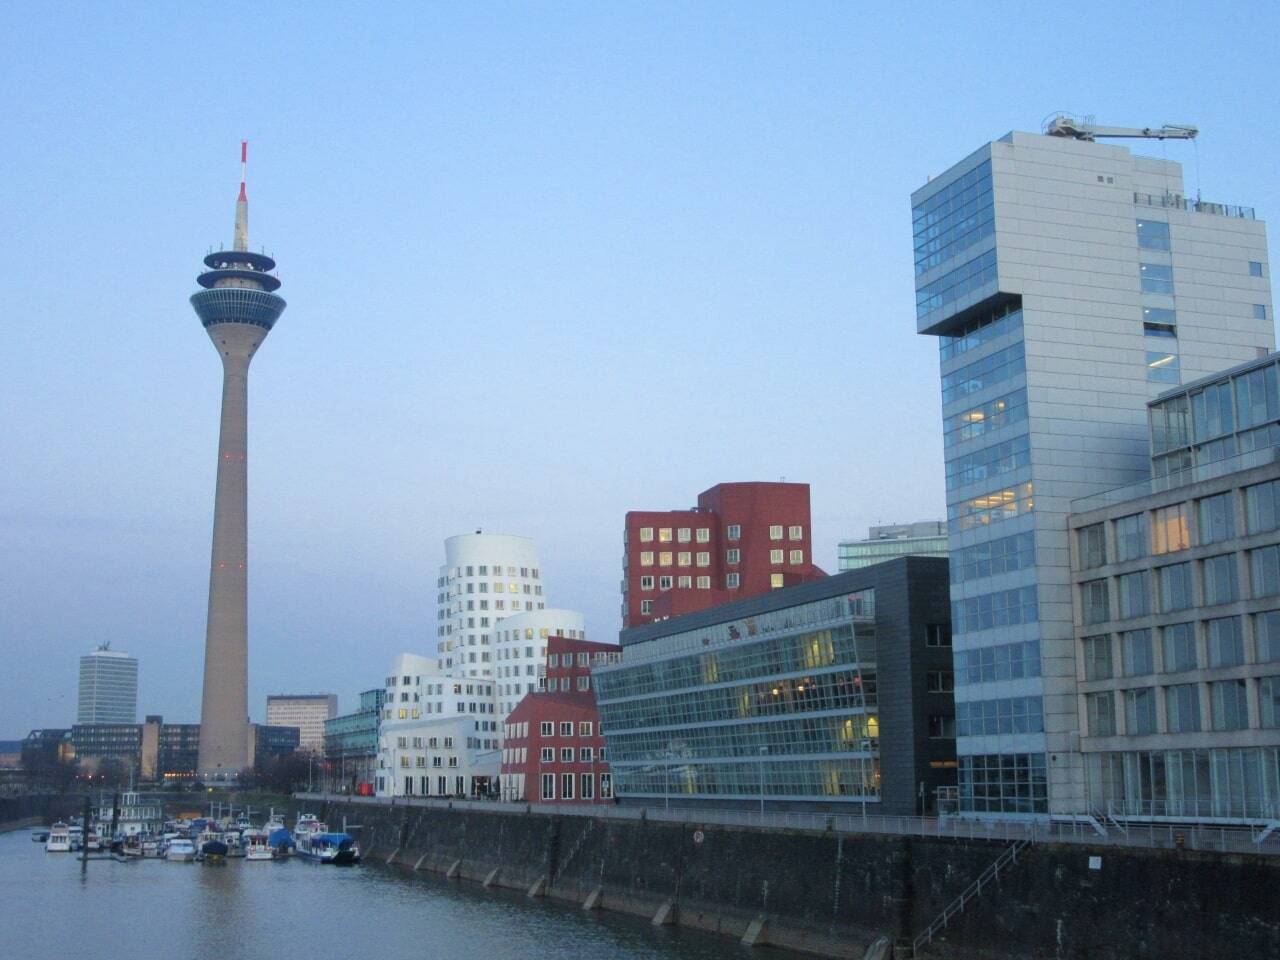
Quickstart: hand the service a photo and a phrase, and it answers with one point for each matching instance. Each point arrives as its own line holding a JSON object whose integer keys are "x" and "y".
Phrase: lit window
{"x": 731, "y": 581}
{"x": 684, "y": 583}
{"x": 646, "y": 534}
{"x": 775, "y": 580}
{"x": 704, "y": 559}
{"x": 684, "y": 559}
{"x": 775, "y": 532}
{"x": 704, "y": 583}
{"x": 664, "y": 558}
{"x": 646, "y": 559}
{"x": 797, "y": 556}
{"x": 664, "y": 535}
{"x": 704, "y": 534}
{"x": 775, "y": 556}
{"x": 795, "y": 533}
{"x": 684, "y": 534}
{"x": 734, "y": 532}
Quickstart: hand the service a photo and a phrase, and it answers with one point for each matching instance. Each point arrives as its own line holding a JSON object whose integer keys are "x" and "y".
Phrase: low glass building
{"x": 831, "y": 694}
{"x": 925, "y": 538}
{"x": 351, "y": 742}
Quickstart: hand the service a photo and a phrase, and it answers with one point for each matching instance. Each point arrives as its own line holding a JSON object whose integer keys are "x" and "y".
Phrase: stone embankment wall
{"x": 33, "y": 809}
{"x": 834, "y": 895}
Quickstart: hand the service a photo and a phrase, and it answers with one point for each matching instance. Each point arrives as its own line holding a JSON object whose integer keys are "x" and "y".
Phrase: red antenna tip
{"x": 244, "y": 151}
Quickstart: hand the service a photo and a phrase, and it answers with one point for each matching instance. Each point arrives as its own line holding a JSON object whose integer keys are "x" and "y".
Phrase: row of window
{"x": 984, "y": 418}
{"x": 992, "y": 369}
{"x": 732, "y": 532}
{"x": 773, "y": 738}
{"x": 583, "y": 658}
{"x": 1002, "y": 717}
{"x": 1007, "y": 661}
{"x": 992, "y": 507}
{"x": 567, "y": 755}
{"x": 1003, "y": 783}
{"x": 1230, "y": 782}
{"x": 483, "y": 571}
{"x": 732, "y": 557}
{"x": 989, "y": 462}
{"x": 586, "y": 781}
{"x": 1180, "y": 647}
{"x": 547, "y": 728}
{"x": 993, "y": 557}
{"x": 552, "y": 684}
{"x": 1247, "y": 400}
{"x": 1227, "y": 703}
{"x": 953, "y": 219}
{"x": 1002, "y": 608}
{"x": 956, "y": 284}
{"x": 1001, "y": 321}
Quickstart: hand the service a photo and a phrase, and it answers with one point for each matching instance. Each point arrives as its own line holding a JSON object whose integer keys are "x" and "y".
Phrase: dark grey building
{"x": 833, "y": 694}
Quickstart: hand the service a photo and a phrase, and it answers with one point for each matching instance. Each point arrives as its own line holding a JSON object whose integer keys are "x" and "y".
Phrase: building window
{"x": 1134, "y": 595}
{"x": 684, "y": 583}
{"x": 775, "y": 532}
{"x": 1004, "y": 783}
{"x": 795, "y": 533}
{"x": 606, "y": 785}
{"x": 1217, "y": 519}
{"x": 942, "y": 727}
{"x": 548, "y": 786}
{"x": 664, "y": 583}
{"x": 1261, "y": 502}
{"x": 1170, "y": 529}
{"x": 940, "y": 681}
{"x": 1269, "y": 702}
{"x": 796, "y": 556}
{"x": 1092, "y": 544}
{"x": 937, "y": 635}
{"x": 1097, "y": 658}
{"x": 547, "y": 728}
{"x": 733, "y": 531}
{"x": 1131, "y": 537}
{"x": 1140, "y": 711}
{"x": 776, "y": 581}
{"x": 584, "y": 730}
{"x": 1094, "y": 604}
{"x": 584, "y": 683}
{"x": 1255, "y": 268}
{"x": 1182, "y": 708}
{"x": 1220, "y": 581}
{"x": 704, "y": 583}
{"x": 1266, "y": 630}
{"x": 1224, "y": 641}
{"x": 1135, "y": 653}
{"x": 1264, "y": 568}
{"x": 566, "y": 786}
{"x": 1175, "y": 587}
{"x": 775, "y": 556}
{"x": 1101, "y": 713}
{"x": 566, "y": 729}
{"x": 646, "y": 583}
{"x": 683, "y": 535}
{"x": 646, "y": 607}
{"x": 703, "y": 535}
{"x": 588, "y": 787}
{"x": 664, "y": 558}
{"x": 1153, "y": 235}
{"x": 646, "y": 559}
{"x": 566, "y": 754}
{"x": 664, "y": 534}
{"x": 731, "y": 581}
{"x": 1228, "y": 705}
{"x": 733, "y": 556}
{"x": 1156, "y": 277}
{"x": 1259, "y": 311}
{"x": 704, "y": 558}
{"x": 546, "y": 755}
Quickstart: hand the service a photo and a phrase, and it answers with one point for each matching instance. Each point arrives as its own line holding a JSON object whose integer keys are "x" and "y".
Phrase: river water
{"x": 295, "y": 910}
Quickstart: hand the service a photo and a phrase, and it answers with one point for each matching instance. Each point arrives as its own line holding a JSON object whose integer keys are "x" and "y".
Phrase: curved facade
{"x": 520, "y": 650}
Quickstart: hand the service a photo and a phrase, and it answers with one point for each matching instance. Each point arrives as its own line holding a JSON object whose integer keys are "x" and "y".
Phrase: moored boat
{"x": 213, "y": 851}
{"x": 255, "y": 845}
{"x": 59, "y": 840}
{"x": 336, "y": 848}
{"x": 180, "y": 850}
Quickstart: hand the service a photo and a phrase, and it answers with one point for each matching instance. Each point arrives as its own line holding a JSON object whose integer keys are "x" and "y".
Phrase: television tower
{"x": 238, "y": 308}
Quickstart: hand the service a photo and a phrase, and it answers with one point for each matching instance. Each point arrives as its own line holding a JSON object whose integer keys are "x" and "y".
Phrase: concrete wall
{"x": 833, "y": 895}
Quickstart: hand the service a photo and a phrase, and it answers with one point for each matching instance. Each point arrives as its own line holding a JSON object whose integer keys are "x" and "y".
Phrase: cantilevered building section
{"x": 1068, "y": 282}
{"x": 238, "y": 308}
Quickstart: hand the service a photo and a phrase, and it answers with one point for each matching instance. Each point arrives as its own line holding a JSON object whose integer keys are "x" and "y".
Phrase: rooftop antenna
{"x": 242, "y": 202}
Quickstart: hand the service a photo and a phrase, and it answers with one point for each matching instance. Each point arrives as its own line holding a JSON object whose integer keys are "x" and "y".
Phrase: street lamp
{"x": 763, "y": 753}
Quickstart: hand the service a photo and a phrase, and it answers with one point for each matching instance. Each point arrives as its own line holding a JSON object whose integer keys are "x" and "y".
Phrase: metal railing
{"x": 990, "y": 875}
{"x": 1081, "y": 830}
{"x": 1179, "y": 202}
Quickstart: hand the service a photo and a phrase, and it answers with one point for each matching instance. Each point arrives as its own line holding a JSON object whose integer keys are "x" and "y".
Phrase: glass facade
{"x": 781, "y": 705}
{"x": 1227, "y": 783}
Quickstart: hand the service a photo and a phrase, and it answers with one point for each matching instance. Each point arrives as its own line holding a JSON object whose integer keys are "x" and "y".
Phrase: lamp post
{"x": 763, "y": 753}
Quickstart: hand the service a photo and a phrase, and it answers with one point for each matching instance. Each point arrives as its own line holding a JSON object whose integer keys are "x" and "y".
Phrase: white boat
{"x": 180, "y": 850}
{"x": 77, "y": 836}
{"x": 255, "y": 845}
{"x": 59, "y": 839}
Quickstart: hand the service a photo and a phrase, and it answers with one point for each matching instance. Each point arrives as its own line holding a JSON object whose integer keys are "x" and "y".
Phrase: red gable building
{"x": 553, "y": 751}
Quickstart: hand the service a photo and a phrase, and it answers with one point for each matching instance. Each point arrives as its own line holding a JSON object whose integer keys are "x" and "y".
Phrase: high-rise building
{"x": 741, "y": 539}
{"x": 238, "y": 307}
{"x": 306, "y": 711}
{"x": 1068, "y": 282}
{"x": 485, "y": 578}
{"x": 925, "y": 538}
{"x": 108, "y": 687}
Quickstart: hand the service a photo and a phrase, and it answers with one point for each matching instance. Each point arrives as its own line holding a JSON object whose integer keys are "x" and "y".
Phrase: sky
{"x": 545, "y": 263}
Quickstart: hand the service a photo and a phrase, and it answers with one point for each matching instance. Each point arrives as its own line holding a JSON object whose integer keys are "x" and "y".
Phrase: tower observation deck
{"x": 238, "y": 307}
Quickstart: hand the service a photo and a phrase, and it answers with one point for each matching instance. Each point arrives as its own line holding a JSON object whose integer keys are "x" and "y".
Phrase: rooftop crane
{"x": 1086, "y": 129}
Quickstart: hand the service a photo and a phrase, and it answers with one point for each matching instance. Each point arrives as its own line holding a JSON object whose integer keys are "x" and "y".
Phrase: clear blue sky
{"x": 545, "y": 263}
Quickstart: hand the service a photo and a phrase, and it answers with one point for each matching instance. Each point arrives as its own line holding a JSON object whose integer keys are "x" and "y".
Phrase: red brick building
{"x": 553, "y": 751}
{"x": 740, "y": 540}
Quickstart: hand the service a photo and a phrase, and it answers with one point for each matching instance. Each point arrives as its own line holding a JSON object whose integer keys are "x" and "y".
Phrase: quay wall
{"x": 33, "y": 809}
{"x": 834, "y": 894}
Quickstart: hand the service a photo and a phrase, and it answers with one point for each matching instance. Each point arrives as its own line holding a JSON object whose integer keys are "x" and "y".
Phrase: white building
{"x": 1068, "y": 282}
{"x": 307, "y": 712}
{"x": 520, "y": 651}
{"x": 108, "y": 687}
{"x": 440, "y": 733}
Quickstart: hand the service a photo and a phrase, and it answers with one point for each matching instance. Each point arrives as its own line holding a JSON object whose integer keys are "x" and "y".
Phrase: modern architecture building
{"x": 1068, "y": 282}
{"x": 1178, "y": 612}
{"x": 169, "y": 751}
{"x": 351, "y": 744}
{"x": 306, "y": 711}
{"x": 238, "y": 308}
{"x": 833, "y": 694}
{"x": 440, "y": 733}
{"x": 485, "y": 578}
{"x": 271, "y": 741}
{"x": 520, "y": 651}
{"x": 553, "y": 751}
{"x": 740, "y": 540}
{"x": 108, "y": 687}
{"x": 925, "y": 538}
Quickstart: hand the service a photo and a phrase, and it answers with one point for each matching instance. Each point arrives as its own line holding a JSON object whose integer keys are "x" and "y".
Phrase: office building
{"x": 169, "y": 751}
{"x": 1068, "y": 282}
{"x": 440, "y": 735}
{"x": 108, "y": 687}
{"x": 1178, "y": 612}
{"x": 272, "y": 741}
{"x": 829, "y": 695}
{"x": 238, "y": 307}
{"x": 96, "y": 743}
{"x": 485, "y": 578}
{"x": 520, "y": 651}
{"x": 926, "y": 538}
{"x": 351, "y": 744}
{"x": 306, "y": 711}
{"x": 553, "y": 750}
{"x": 740, "y": 540}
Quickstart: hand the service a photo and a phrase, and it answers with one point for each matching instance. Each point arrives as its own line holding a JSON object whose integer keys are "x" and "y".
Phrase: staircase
{"x": 988, "y": 876}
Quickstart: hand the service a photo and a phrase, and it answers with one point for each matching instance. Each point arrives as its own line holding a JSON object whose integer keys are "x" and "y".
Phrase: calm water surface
{"x": 294, "y": 910}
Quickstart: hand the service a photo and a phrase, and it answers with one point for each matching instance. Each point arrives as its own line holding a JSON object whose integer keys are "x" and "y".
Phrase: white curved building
{"x": 486, "y": 577}
{"x": 520, "y": 651}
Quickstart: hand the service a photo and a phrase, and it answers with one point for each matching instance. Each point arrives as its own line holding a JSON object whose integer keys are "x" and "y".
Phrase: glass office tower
{"x": 1068, "y": 282}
